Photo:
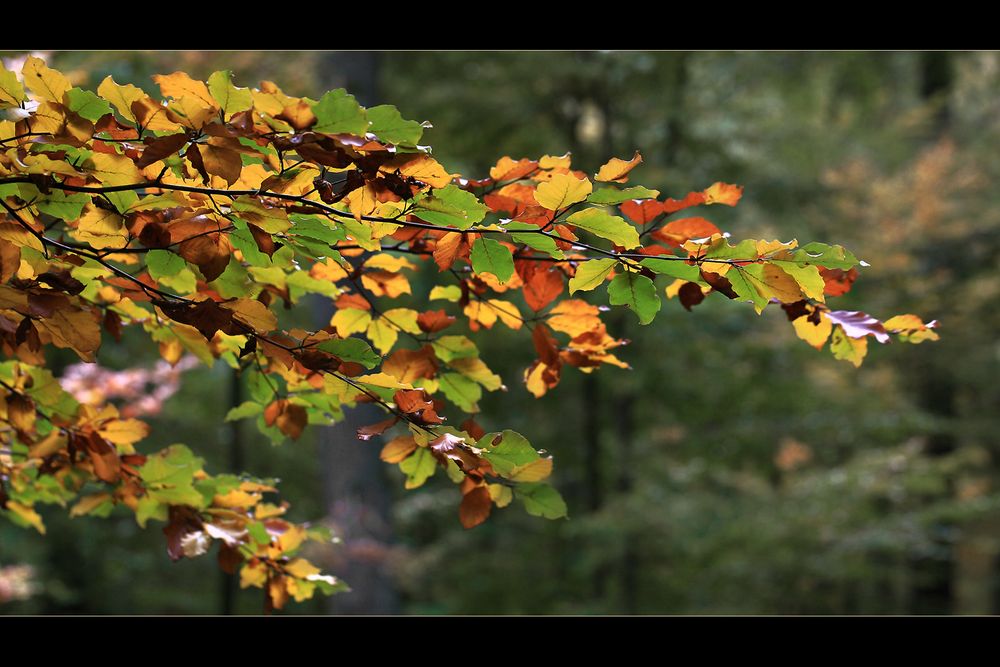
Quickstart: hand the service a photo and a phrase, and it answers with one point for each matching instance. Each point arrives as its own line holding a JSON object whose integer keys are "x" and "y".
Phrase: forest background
{"x": 733, "y": 469}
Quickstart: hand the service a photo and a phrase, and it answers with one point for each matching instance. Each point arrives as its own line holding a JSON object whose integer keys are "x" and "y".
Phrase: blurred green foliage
{"x": 734, "y": 469}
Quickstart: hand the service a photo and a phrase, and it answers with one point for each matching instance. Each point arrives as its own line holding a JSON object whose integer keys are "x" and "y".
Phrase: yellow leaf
{"x": 362, "y": 201}
{"x": 101, "y": 228}
{"x": 44, "y": 81}
{"x": 124, "y": 431}
{"x": 562, "y": 190}
{"x": 554, "y": 162}
{"x": 476, "y": 369}
{"x": 121, "y": 97}
{"x": 382, "y": 334}
{"x": 507, "y": 312}
{"x": 404, "y": 318}
{"x": 27, "y": 514}
{"x": 814, "y": 334}
{"x": 847, "y": 348}
{"x": 254, "y": 313}
{"x": 389, "y": 262}
{"x": 349, "y": 321}
{"x": 477, "y": 311}
{"x": 427, "y": 170}
{"x": 253, "y": 574}
{"x": 383, "y": 283}
{"x": 179, "y": 85}
{"x": 723, "y": 193}
{"x": 301, "y": 568}
{"x": 533, "y": 380}
{"x": 383, "y": 380}
{"x": 113, "y": 169}
{"x": 535, "y": 471}
{"x": 616, "y": 170}
{"x": 779, "y": 285}
{"x": 500, "y": 495}
{"x": 574, "y": 316}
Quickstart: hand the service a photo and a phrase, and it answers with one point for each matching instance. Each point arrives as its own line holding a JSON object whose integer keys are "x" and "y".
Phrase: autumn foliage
{"x": 200, "y": 219}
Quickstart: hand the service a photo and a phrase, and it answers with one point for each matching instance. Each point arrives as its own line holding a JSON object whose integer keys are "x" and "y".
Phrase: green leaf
{"x": 150, "y": 508}
{"x": 450, "y": 206}
{"x": 637, "y": 292}
{"x": 244, "y": 410}
{"x": 272, "y": 220}
{"x": 675, "y": 268}
{"x": 461, "y": 391}
{"x": 301, "y": 283}
{"x": 61, "y": 205}
{"x": 124, "y": 200}
{"x": 315, "y": 227}
{"x": 390, "y": 126}
{"x": 448, "y": 348}
{"x": 162, "y": 263}
{"x": 86, "y": 104}
{"x": 337, "y": 112}
{"x": 616, "y": 196}
{"x": 351, "y": 349}
{"x": 418, "y": 467}
{"x": 745, "y": 280}
{"x": 829, "y": 256}
{"x": 807, "y": 276}
{"x": 243, "y": 240}
{"x": 184, "y": 282}
{"x": 234, "y": 281}
{"x": 258, "y": 532}
{"x": 229, "y": 97}
{"x": 512, "y": 451}
{"x": 534, "y": 240}
{"x": 590, "y": 274}
{"x": 610, "y": 227}
{"x": 543, "y": 500}
{"x": 493, "y": 257}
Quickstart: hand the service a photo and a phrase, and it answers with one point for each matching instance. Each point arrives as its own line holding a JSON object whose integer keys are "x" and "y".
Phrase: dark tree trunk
{"x": 355, "y": 489}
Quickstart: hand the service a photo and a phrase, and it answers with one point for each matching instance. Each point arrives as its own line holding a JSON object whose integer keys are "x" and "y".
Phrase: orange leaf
{"x": 616, "y": 170}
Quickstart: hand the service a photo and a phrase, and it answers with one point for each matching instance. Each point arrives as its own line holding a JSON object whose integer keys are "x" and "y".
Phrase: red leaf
{"x": 643, "y": 211}
{"x": 676, "y": 232}
{"x": 161, "y": 147}
{"x": 838, "y": 281}
{"x": 433, "y": 321}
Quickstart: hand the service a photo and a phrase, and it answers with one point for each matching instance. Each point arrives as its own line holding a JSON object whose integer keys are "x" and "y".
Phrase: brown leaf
{"x": 222, "y": 162}
{"x": 182, "y": 529}
{"x": 475, "y": 508}
{"x": 398, "y": 449}
{"x": 370, "y": 431}
{"x": 158, "y": 148}
{"x": 410, "y": 365}
{"x": 205, "y": 316}
{"x": 412, "y": 400}
{"x": 10, "y": 260}
{"x": 104, "y": 456}
{"x": 21, "y": 412}
{"x": 719, "y": 283}
{"x": 690, "y": 295}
